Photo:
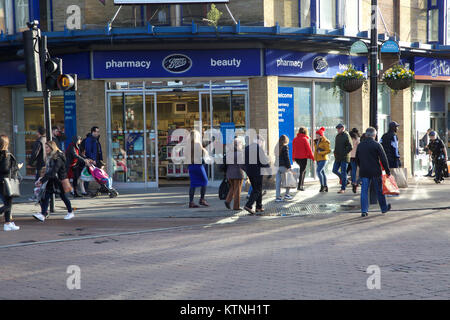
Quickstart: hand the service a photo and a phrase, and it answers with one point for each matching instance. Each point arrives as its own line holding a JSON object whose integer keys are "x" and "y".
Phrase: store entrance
{"x": 142, "y": 124}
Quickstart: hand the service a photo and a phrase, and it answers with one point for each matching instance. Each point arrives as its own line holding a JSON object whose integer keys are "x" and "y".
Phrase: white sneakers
{"x": 10, "y": 227}
{"x": 69, "y": 216}
{"x": 39, "y": 216}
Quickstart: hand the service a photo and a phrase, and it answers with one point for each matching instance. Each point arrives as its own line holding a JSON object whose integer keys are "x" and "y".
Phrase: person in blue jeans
{"x": 342, "y": 148}
{"x": 368, "y": 157}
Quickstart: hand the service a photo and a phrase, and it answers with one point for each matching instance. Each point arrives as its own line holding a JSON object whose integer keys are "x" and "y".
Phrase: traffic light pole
{"x": 47, "y": 108}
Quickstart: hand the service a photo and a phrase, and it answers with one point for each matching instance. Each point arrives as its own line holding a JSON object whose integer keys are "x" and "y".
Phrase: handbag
{"x": 67, "y": 187}
{"x": 288, "y": 180}
{"x": 224, "y": 189}
{"x": 11, "y": 185}
{"x": 390, "y": 185}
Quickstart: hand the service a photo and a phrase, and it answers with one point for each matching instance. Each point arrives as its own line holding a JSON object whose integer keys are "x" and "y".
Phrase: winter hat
{"x": 320, "y": 131}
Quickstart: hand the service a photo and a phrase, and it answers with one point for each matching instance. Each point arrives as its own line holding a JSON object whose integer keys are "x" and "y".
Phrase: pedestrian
{"x": 38, "y": 157}
{"x": 389, "y": 141}
{"x": 75, "y": 163}
{"x": 342, "y": 148}
{"x": 255, "y": 159}
{"x": 8, "y": 167}
{"x": 321, "y": 150}
{"x": 59, "y": 137}
{"x": 368, "y": 157}
{"x": 438, "y": 153}
{"x": 301, "y": 153}
{"x": 423, "y": 143}
{"x": 92, "y": 149}
{"x": 235, "y": 174}
{"x": 197, "y": 172}
{"x": 55, "y": 173}
{"x": 283, "y": 164}
{"x": 354, "y": 134}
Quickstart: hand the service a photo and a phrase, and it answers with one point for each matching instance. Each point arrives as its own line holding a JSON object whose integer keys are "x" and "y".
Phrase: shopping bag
{"x": 390, "y": 185}
{"x": 86, "y": 175}
{"x": 288, "y": 180}
{"x": 223, "y": 189}
{"x": 400, "y": 175}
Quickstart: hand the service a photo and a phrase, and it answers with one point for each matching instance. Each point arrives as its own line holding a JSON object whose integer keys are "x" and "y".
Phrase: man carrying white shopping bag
{"x": 369, "y": 154}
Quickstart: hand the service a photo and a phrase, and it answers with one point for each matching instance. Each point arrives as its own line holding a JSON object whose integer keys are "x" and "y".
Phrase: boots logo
{"x": 177, "y": 63}
{"x": 320, "y": 65}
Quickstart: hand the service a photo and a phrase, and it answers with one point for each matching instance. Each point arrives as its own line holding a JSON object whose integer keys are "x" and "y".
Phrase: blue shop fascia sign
{"x": 175, "y": 64}
{"x": 309, "y": 64}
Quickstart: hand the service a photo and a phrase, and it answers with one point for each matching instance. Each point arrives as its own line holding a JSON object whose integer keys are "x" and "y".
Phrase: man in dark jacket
{"x": 342, "y": 148}
{"x": 368, "y": 157}
{"x": 439, "y": 155}
{"x": 38, "y": 157}
{"x": 389, "y": 141}
{"x": 93, "y": 148}
{"x": 255, "y": 159}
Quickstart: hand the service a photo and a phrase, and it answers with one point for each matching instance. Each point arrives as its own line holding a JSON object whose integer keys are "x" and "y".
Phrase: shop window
{"x": 33, "y": 118}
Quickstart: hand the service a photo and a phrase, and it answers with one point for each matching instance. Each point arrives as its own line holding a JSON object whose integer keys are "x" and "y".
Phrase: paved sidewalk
{"x": 172, "y": 202}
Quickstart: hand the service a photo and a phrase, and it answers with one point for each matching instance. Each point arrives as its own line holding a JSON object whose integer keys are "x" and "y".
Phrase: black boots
{"x": 323, "y": 189}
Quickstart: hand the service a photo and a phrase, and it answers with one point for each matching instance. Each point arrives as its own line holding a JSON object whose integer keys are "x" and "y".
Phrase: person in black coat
{"x": 368, "y": 156}
{"x": 284, "y": 165}
{"x": 8, "y": 166}
{"x": 255, "y": 159}
{"x": 389, "y": 141}
{"x": 439, "y": 155}
{"x": 54, "y": 174}
{"x": 75, "y": 163}
{"x": 37, "y": 158}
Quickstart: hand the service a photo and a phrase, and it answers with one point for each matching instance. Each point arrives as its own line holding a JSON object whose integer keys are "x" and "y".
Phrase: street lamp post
{"x": 374, "y": 81}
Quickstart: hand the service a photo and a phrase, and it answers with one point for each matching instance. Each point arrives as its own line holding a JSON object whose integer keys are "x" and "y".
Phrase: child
{"x": 108, "y": 180}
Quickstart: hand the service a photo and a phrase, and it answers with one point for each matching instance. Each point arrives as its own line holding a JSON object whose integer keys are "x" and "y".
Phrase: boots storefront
{"x": 151, "y": 94}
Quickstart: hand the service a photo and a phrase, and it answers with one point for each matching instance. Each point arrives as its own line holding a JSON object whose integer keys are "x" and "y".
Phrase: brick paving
{"x": 298, "y": 256}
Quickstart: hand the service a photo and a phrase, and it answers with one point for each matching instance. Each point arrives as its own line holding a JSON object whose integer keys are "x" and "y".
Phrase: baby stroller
{"x": 105, "y": 182}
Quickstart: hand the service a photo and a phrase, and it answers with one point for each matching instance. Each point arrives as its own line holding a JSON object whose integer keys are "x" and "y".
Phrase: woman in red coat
{"x": 301, "y": 153}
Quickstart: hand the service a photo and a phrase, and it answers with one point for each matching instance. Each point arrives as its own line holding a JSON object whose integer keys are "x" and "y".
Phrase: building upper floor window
{"x": 14, "y": 15}
{"x": 327, "y": 14}
{"x": 332, "y": 14}
{"x": 433, "y": 21}
{"x": 448, "y": 23}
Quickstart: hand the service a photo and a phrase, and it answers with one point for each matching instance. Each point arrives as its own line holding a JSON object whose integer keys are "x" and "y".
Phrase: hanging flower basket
{"x": 350, "y": 80}
{"x": 350, "y": 85}
{"x": 398, "y": 78}
{"x": 398, "y": 84}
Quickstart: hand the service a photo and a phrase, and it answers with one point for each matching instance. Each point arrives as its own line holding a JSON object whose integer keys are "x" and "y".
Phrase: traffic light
{"x": 30, "y": 53}
{"x": 67, "y": 82}
{"x": 53, "y": 69}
